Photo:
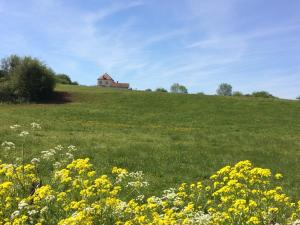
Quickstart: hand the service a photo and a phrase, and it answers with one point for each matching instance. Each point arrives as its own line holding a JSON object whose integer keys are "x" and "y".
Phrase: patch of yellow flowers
{"x": 241, "y": 194}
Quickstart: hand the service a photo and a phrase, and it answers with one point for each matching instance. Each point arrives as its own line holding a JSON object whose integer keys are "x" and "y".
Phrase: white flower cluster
{"x": 35, "y": 125}
{"x": 7, "y": 145}
{"x": 24, "y": 133}
{"x": 14, "y": 127}
{"x": 138, "y": 180}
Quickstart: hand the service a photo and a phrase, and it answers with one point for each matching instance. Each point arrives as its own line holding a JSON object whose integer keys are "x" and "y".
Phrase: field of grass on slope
{"x": 173, "y": 138}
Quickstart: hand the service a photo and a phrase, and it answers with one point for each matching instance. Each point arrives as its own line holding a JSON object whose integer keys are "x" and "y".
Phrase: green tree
{"x": 25, "y": 79}
{"x": 177, "y": 88}
{"x": 148, "y": 89}
{"x": 237, "y": 93}
{"x": 64, "y": 79}
{"x": 161, "y": 90}
{"x": 262, "y": 94}
{"x": 298, "y": 98}
{"x": 224, "y": 89}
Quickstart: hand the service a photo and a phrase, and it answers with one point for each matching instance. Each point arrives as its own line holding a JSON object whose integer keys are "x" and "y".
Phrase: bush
{"x": 262, "y": 94}
{"x": 25, "y": 79}
{"x": 161, "y": 90}
{"x": 148, "y": 89}
{"x": 200, "y": 93}
{"x": 237, "y": 93}
{"x": 177, "y": 88}
{"x": 64, "y": 79}
{"x": 224, "y": 90}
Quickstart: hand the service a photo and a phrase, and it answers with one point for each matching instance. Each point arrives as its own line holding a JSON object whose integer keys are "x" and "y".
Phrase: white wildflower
{"x": 15, "y": 214}
{"x": 59, "y": 148}
{"x": 200, "y": 218}
{"x": 7, "y": 145}
{"x": 35, "y": 125}
{"x": 69, "y": 155}
{"x": 14, "y": 127}
{"x": 32, "y": 212}
{"x": 57, "y": 165}
{"x": 140, "y": 198}
{"x": 22, "y": 204}
{"x": 296, "y": 222}
{"x": 44, "y": 209}
{"x": 72, "y": 148}
{"x": 23, "y": 133}
{"x": 48, "y": 154}
{"x": 35, "y": 161}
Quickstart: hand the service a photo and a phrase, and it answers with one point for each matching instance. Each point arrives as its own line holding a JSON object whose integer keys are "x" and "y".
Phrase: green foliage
{"x": 224, "y": 90}
{"x": 148, "y": 89}
{"x": 262, "y": 94}
{"x": 298, "y": 98}
{"x": 161, "y": 90}
{"x": 25, "y": 79}
{"x": 201, "y": 93}
{"x": 177, "y": 88}
{"x": 237, "y": 93}
{"x": 64, "y": 79}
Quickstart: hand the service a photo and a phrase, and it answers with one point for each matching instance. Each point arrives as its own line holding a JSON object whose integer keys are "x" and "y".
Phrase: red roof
{"x": 120, "y": 85}
{"x": 105, "y": 77}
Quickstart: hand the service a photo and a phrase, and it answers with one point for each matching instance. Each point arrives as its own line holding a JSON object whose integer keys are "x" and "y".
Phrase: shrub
{"x": 26, "y": 79}
{"x": 64, "y": 79}
{"x": 262, "y": 94}
{"x": 224, "y": 90}
{"x": 177, "y": 88}
{"x": 237, "y": 93}
{"x": 148, "y": 89}
{"x": 161, "y": 90}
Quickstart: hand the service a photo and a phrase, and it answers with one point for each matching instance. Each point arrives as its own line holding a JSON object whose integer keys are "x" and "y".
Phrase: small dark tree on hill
{"x": 262, "y": 94}
{"x": 25, "y": 79}
{"x": 64, "y": 79}
{"x": 161, "y": 90}
{"x": 177, "y": 88}
{"x": 237, "y": 93}
{"x": 298, "y": 98}
{"x": 224, "y": 90}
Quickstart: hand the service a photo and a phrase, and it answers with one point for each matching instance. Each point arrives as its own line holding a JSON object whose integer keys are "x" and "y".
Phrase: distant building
{"x": 106, "y": 81}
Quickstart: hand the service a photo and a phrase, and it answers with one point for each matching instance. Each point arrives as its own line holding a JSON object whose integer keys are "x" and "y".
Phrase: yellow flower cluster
{"x": 241, "y": 194}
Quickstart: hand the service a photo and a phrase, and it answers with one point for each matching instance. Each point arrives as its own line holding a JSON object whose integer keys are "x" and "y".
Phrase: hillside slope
{"x": 171, "y": 137}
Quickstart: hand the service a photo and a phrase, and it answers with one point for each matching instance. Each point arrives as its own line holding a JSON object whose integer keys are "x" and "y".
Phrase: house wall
{"x": 105, "y": 83}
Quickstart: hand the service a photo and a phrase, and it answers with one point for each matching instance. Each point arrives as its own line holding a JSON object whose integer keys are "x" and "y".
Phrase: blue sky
{"x": 251, "y": 44}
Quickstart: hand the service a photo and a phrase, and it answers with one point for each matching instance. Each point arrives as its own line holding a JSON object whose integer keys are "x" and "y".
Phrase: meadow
{"x": 172, "y": 138}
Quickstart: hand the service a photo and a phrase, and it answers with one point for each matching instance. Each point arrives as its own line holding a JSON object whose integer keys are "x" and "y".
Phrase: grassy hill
{"x": 171, "y": 137}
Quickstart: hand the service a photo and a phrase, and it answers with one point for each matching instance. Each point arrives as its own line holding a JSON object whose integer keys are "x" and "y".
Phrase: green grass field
{"x": 173, "y": 138}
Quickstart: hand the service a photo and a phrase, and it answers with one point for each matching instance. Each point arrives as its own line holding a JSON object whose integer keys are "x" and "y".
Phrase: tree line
{"x": 224, "y": 89}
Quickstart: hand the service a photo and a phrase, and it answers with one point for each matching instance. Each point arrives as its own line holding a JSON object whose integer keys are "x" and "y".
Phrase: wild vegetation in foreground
{"x": 76, "y": 194}
{"x": 173, "y": 138}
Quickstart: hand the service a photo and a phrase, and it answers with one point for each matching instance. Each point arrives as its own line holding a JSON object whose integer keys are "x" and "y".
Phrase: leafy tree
{"x": 64, "y": 79}
{"x": 224, "y": 90}
{"x": 25, "y": 79}
{"x": 177, "y": 88}
{"x": 148, "y": 89}
{"x": 262, "y": 94}
{"x": 298, "y": 98}
{"x": 200, "y": 93}
{"x": 237, "y": 93}
{"x": 161, "y": 90}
